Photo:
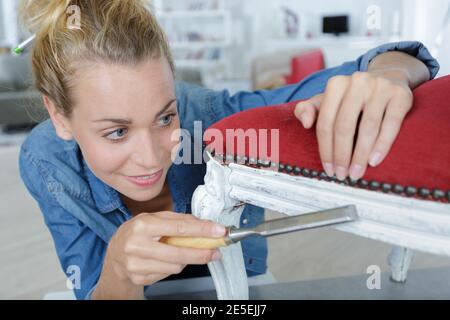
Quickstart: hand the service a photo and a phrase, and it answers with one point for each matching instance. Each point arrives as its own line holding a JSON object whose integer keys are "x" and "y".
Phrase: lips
{"x": 145, "y": 180}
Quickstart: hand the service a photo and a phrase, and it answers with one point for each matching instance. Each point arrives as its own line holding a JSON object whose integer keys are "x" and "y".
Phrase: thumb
{"x": 307, "y": 111}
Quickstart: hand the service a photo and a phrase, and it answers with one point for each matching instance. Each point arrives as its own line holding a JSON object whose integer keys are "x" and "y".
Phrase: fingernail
{"x": 301, "y": 117}
{"x": 375, "y": 159}
{"x": 356, "y": 171}
{"x": 341, "y": 173}
{"x": 216, "y": 255}
{"x": 329, "y": 169}
{"x": 219, "y": 230}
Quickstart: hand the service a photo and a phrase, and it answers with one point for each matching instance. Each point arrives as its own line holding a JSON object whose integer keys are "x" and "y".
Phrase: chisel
{"x": 270, "y": 228}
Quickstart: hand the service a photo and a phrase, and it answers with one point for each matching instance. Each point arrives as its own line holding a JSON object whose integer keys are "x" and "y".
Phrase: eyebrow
{"x": 128, "y": 121}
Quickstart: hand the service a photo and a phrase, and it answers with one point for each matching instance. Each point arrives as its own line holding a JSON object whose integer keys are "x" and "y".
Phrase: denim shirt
{"x": 82, "y": 212}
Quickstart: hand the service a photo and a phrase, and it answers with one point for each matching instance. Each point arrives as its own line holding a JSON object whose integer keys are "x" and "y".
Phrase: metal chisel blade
{"x": 296, "y": 223}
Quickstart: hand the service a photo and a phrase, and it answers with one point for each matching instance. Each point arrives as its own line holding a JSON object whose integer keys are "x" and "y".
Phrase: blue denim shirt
{"x": 82, "y": 213}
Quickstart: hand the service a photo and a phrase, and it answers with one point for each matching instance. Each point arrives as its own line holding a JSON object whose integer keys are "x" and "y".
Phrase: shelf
{"x": 199, "y": 33}
{"x": 348, "y": 41}
{"x": 220, "y": 18}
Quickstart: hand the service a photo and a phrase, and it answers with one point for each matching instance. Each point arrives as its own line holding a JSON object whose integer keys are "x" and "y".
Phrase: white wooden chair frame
{"x": 406, "y": 223}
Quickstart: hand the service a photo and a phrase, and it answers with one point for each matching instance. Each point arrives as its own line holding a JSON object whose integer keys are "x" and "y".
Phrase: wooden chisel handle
{"x": 197, "y": 243}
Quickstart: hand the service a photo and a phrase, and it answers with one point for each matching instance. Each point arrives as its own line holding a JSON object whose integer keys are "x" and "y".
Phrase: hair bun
{"x": 42, "y": 15}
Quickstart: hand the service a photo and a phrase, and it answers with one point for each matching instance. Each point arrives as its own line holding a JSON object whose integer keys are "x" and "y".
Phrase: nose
{"x": 147, "y": 152}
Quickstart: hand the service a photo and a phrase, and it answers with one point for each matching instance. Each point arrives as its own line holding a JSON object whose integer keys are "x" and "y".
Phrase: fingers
{"x": 307, "y": 111}
{"x": 145, "y": 280}
{"x": 334, "y": 94}
{"x": 143, "y": 272}
{"x": 173, "y": 215}
{"x": 382, "y": 105}
{"x": 145, "y": 260}
{"x": 171, "y": 254}
{"x": 396, "y": 111}
{"x": 150, "y": 227}
{"x": 139, "y": 266}
{"x": 368, "y": 132}
{"x": 345, "y": 128}
{"x": 178, "y": 225}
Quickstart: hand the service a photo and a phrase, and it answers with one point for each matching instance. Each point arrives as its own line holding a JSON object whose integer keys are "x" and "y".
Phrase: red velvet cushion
{"x": 417, "y": 165}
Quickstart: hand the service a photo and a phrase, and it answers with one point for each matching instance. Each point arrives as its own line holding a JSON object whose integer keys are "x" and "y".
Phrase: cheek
{"x": 171, "y": 138}
{"x": 101, "y": 157}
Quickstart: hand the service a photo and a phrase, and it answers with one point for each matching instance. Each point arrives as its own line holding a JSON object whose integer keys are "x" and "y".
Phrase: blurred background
{"x": 221, "y": 44}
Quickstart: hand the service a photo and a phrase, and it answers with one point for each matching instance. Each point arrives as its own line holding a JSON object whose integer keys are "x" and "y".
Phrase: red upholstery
{"x": 304, "y": 64}
{"x": 419, "y": 158}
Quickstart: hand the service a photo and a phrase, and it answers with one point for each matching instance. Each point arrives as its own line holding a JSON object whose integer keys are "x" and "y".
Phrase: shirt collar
{"x": 180, "y": 196}
{"x": 106, "y": 198}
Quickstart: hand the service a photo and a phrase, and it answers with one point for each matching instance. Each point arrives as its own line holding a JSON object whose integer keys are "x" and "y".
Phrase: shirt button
{"x": 245, "y": 221}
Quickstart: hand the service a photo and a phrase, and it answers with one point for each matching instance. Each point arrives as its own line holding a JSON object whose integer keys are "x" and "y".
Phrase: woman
{"x": 101, "y": 170}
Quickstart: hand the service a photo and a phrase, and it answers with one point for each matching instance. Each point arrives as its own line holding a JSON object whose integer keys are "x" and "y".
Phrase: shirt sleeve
{"x": 211, "y": 106}
{"x": 79, "y": 249}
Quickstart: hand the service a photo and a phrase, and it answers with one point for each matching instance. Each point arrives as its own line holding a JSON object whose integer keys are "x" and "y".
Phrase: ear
{"x": 60, "y": 122}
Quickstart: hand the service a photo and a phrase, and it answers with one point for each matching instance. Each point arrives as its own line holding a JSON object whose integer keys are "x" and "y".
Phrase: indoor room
{"x": 92, "y": 194}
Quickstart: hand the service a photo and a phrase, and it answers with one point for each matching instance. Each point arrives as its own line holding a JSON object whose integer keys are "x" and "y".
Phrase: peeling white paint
{"x": 403, "y": 222}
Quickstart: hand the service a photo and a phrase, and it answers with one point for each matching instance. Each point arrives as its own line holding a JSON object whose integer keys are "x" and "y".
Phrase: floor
{"x": 28, "y": 263}
{"x": 29, "y": 267}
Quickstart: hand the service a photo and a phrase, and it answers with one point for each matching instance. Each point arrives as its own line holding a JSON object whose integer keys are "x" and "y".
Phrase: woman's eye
{"x": 166, "y": 120}
{"x": 117, "y": 134}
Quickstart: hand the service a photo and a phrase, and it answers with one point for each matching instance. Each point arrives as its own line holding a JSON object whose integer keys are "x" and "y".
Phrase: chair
{"x": 269, "y": 70}
{"x": 305, "y": 64}
{"x": 404, "y": 202}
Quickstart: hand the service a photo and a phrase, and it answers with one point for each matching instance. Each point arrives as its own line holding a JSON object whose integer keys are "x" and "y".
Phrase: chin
{"x": 144, "y": 194}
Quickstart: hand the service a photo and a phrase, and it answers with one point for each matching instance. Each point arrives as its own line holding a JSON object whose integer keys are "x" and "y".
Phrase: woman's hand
{"x": 383, "y": 104}
{"x": 369, "y": 106}
{"x": 136, "y": 255}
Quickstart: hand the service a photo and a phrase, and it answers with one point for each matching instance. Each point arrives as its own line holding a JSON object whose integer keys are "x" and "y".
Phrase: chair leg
{"x": 399, "y": 261}
{"x": 212, "y": 202}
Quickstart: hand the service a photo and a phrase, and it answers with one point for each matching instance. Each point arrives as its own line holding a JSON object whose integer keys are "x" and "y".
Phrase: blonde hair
{"x": 112, "y": 31}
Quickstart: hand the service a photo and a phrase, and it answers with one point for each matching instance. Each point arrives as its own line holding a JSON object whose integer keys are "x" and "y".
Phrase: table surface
{"x": 426, "y": 284}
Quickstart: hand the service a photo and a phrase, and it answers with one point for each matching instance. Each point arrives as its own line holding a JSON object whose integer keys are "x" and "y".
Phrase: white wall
{"x": 9, "y": 30}
{"x": 423, "y": 21}
{"x": 267, "y": 20}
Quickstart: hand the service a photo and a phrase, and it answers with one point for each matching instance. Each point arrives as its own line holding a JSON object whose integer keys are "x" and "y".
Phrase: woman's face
{"x": 124, "y": 118}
